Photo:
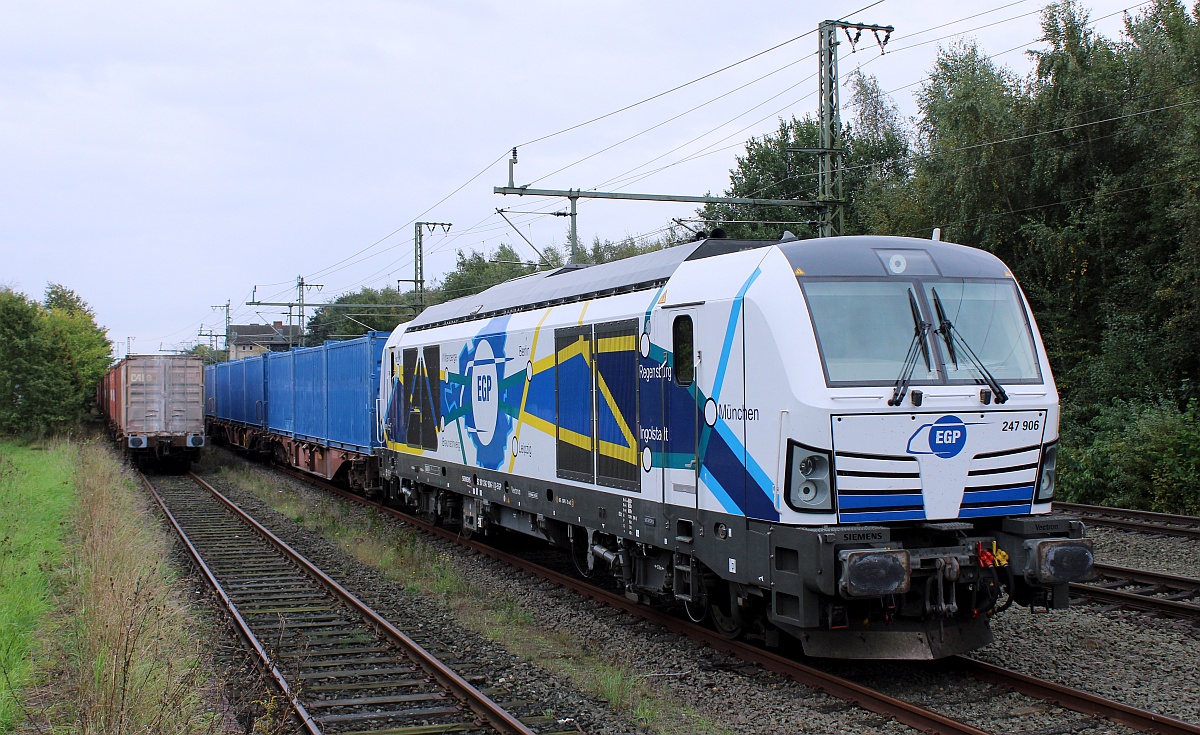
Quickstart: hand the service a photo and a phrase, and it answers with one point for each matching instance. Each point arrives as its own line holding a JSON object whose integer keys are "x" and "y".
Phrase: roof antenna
{"x": 937, "y": 234}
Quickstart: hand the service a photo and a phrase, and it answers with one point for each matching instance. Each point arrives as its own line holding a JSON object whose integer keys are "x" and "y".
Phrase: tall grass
{"x": 35, "y": 500}
{"x": 129, "y": 660}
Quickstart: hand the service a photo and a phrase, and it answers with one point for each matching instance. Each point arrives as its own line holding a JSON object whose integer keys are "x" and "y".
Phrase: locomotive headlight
{"x": 809, "y": 488}
{"x": 1045, "y": 481}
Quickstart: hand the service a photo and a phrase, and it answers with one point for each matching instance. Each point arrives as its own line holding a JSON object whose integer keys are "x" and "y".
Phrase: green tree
{"x": 875, "y": 144}
{"x": 476, "y": 272}
{"x": 878, "y": 163}
{"x": 348, "y": 322}
{"x": 52, "y": 355}
{"x": 20, "y": 356}
{"x": 72, "y": 324}
{"x": 768, "y": 171}
{"x": 209, "y": 355}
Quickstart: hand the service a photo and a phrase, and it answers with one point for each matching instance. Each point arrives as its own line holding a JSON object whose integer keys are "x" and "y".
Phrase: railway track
{"x": 1135, "y": 520}
{"x": 1136, "y": 589}
{"x": 914, "y": 716}
{"x": 343, "y": 668}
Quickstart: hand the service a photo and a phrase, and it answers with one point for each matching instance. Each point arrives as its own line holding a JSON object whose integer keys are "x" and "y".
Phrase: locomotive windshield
{"x": 990, "y": 318}
{"x": 865, "y": 330}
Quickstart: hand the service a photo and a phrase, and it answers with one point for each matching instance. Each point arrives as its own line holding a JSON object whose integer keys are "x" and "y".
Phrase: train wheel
{"x": 580, "y": 552}
{"x": 724, "y": 611}
{"x": 433, "y": 516}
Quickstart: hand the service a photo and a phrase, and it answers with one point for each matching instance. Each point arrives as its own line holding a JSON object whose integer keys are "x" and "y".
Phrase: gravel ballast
{"x": 1162, "y": 554}
{"x": 1116, "y": 655}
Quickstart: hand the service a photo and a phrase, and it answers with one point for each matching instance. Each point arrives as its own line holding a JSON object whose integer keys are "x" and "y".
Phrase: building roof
{"x": 265, "y": 334}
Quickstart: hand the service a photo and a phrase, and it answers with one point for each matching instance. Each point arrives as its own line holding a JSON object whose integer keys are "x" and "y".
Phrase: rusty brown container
{"x": 154, "y": 405}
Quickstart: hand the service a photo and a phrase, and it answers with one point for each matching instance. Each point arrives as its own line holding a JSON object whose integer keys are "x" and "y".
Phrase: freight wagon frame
{"x": 311, "y": 408}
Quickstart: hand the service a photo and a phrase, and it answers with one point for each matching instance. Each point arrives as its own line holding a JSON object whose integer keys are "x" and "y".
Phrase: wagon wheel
{"x": 434, "y": 517}
{"x": 724, "y": 611}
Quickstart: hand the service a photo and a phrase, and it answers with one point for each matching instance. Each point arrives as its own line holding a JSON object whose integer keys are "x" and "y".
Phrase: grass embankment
{"x": 36, "y": 496}
{"x": 121, "y": 652}
{"x": 404, "y": 556}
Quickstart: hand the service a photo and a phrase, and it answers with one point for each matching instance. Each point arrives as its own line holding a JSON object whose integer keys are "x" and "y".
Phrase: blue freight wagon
{"x": 313, "y": 408}
{"x": 210, "y": 391}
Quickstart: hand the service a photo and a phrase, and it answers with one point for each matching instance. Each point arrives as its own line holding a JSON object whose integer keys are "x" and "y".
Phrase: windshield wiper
{"x": 953, "y": 339}
{"x": 918, "y": 346}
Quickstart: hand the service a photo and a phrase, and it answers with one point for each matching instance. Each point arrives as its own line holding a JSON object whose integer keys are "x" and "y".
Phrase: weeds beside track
{"x": 120, "y": 651}
{"x": 36, "y": 495}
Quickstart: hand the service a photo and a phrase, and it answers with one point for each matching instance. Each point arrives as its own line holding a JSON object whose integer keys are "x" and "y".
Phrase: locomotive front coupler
{"x": 874, "y": 572}
{"x": 1046, "y": 553}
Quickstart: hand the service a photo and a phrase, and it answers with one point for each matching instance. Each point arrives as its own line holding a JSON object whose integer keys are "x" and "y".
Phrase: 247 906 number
{"x": 1033, "y": 425}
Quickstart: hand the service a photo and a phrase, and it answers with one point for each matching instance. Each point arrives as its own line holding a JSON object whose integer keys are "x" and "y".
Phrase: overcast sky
{"x": 160, "y": 158}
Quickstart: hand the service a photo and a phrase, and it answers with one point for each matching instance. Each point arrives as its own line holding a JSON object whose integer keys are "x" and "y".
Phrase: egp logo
{"x": 945, "y": 438}
{"x": 485, "y": 380}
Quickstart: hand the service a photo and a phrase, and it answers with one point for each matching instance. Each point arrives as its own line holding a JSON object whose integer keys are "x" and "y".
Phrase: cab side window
{"x": 685, "y": 366}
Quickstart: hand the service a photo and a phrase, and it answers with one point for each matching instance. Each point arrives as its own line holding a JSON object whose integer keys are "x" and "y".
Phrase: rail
{"x": 1138, "y": 589}
{"x": 1146, "y": 521}
{"x": 320, "y": 632}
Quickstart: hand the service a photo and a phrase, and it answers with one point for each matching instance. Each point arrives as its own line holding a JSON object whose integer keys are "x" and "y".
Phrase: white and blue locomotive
{"x": 850, "y": 439}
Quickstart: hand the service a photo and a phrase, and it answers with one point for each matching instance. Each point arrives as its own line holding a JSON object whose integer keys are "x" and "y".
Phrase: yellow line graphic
{"x": 615, "y": 451}
{"x": 537, "y": 422}
{"x": 582, "y": 441}
{"x": 578, "y": 347}
{"x": 616, "y": 412}
{"x": 521, "y": 415}
{"x": 617, "y": 344}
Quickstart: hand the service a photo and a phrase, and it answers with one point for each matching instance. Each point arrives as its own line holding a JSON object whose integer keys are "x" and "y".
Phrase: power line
{"x": 343, "y": 263}
{"x": 353, "y": 259}
{"x": 1090, "y": 197}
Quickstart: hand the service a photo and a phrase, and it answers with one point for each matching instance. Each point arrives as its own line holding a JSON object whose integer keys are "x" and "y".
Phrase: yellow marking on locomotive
{"x": 630, "y": 442}
{"x": 618, "y": 452}
{"x": 544, "y": 364}
{"x": 405, "y": 449}
{"x": 539, "y": 423}
{"x": 578, "y": 347}
{"x": 521, "y": 415}
{"x": 627, "y": 343}
{"x": 582, "y": 441}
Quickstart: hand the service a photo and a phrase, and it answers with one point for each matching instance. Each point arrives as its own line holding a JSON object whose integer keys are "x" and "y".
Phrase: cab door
{"x": 681, "y": 434}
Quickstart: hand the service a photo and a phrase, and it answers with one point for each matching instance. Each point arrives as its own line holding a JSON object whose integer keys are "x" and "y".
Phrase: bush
{"x": 1134, "y": 454}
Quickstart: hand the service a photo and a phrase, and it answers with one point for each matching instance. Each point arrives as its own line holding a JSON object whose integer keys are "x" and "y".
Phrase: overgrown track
{"x": 1165, "y": 524}
{"x": 343, "y": 667}
{"x": 1141, "y": 590}
{"x": 905, "y": 712}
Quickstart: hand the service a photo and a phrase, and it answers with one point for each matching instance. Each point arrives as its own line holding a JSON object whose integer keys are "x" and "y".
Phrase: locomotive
{"x": 849, "y": 440}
